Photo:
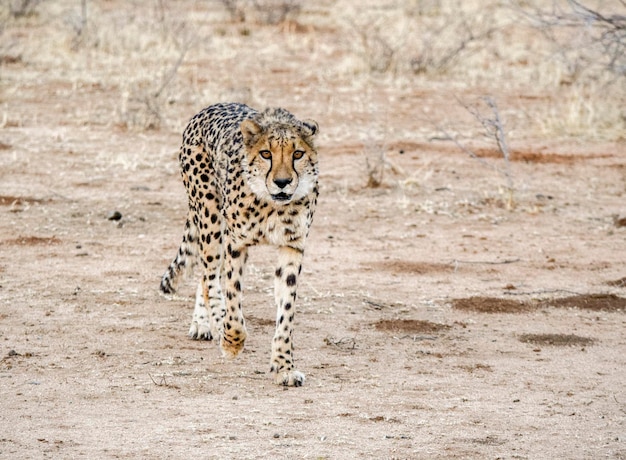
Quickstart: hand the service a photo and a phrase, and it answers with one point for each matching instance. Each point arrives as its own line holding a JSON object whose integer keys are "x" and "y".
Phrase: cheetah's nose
{"x": 282, "y": 183}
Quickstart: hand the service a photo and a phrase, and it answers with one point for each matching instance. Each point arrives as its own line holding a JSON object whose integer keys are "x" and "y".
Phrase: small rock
{"x": 114, "y": 215}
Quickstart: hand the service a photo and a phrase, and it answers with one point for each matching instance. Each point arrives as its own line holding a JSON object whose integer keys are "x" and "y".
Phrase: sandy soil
{"x": 438, "y": 316}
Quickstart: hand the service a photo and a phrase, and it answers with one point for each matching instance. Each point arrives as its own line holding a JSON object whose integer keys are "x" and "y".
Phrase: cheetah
{"x": 251, "y": 178}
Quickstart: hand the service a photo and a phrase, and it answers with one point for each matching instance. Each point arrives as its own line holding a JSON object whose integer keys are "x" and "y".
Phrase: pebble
{"x": 114, "y": 215}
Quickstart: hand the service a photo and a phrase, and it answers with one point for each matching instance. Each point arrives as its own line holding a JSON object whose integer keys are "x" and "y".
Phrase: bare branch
{"x": 441, "y": 48}
{"x": 594, "y": 37}
{"x": 494, "y": 129}
{"x": 447, "y": 136}
{"x": 173, "y": 70}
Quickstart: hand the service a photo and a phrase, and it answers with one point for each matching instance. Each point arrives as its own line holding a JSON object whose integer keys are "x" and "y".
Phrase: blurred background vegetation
{"x": 367, "y": 70}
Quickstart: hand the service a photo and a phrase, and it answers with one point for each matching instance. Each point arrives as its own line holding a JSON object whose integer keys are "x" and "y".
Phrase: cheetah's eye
{"x": 265, "y": 154}
{"x": 298, "y": 154}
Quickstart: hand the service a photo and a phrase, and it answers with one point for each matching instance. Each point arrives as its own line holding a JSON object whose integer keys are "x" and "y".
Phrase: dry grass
{"x": 156, "y": 63}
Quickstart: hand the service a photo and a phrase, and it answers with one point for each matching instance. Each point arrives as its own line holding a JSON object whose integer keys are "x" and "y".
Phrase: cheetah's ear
{"x": 310, "y": 127}
{"x": 251, "y": 131}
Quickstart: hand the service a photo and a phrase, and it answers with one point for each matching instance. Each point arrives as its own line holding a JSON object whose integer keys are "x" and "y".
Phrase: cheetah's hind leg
{"x": 200, "y": 328}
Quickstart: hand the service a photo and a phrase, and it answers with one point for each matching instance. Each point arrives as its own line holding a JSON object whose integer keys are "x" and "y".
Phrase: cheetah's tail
{"x": 183, "y": 263}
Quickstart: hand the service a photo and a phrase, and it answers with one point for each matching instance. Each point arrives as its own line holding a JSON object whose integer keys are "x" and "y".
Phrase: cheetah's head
{"x": 281, "y": 160}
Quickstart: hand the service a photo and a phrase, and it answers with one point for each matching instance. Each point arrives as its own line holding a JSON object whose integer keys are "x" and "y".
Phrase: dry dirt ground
{"x": 439, "y": 315}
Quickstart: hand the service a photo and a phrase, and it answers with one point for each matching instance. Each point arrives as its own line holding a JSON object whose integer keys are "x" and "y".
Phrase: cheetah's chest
{"x": 250, "y": 223}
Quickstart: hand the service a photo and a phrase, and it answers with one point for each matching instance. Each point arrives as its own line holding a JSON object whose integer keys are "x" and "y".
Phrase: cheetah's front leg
{"x": 200, "y": 324}
{"x": 285, "y": 282}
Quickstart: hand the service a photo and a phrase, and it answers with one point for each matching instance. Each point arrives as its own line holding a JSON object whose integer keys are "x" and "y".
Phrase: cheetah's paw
{"x": 232, "y": 341}
{"x": 290, "y": 378}
{"x": 200, "y": 328}
{"x": 200, "y": 331}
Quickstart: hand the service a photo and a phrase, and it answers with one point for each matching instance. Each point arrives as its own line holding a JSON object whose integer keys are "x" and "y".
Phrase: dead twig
{"x": 375, "y": 305}
{"x": 485, "y": 262}
{"x": 456, "y": 263}
{"x": 163, "y": 382}
{"x": 541, "y": 291}
{"x": 345, "y": 343}
{"x": 417, "y": 338}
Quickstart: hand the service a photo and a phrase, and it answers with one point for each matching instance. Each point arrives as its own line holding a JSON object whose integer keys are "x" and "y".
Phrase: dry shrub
{"x": 494, "y": 131}
{"x": 585, "y": 64}
{"x": 21, "y": 8}
{"x": 418, "y": 39}
{"x": 587, "y": 38}
{"x": 576, "y": 58}
{"x": 134, "y": 48}
{"x": 263, "y": 11}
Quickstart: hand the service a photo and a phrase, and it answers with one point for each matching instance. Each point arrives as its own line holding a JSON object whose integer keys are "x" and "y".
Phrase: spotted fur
{"x": 251, "y": 178}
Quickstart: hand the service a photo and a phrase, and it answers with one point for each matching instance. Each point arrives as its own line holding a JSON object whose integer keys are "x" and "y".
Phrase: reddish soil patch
{"x": 345, "y": 149}
{"x": 416, "y": 268}
{"x": 557, "y": 340}
{"x": 7, "y": 200}
{"x": 594, "y": 302}
{"x": 536, "y": 157}
{"x": 409, "y": 326}
{"x": 617, "y": 283}
{"x": 261, "y": 322}
{"x": 491, "y": 305}
{"x": 408, "y": 146}
{"x": 31, "y": 241}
